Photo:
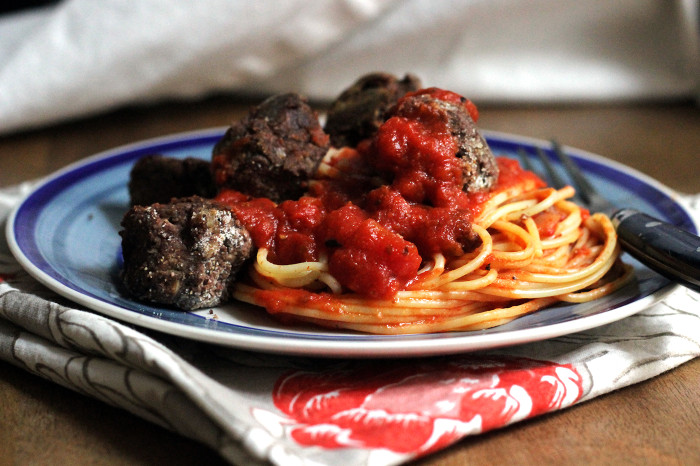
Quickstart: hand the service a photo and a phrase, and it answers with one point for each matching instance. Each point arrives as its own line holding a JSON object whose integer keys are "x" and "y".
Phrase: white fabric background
{"x": 84, "y": 56}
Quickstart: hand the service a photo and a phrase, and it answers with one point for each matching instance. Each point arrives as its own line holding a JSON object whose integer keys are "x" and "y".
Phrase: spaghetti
{"x": 420, "y": 229}
{"x": 536, "y": 248}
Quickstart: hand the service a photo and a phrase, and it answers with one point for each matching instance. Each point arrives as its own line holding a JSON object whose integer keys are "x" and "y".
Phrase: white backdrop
{"x": 85, "y": 56}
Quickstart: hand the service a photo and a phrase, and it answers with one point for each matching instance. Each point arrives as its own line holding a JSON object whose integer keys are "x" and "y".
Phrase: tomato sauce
{"x": 510, "y": 174}
{"x": 403, "y": 204}
{"x": 547, "y": 221}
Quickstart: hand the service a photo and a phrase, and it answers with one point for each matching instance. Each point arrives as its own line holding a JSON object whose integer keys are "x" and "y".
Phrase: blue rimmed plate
{"x": 65, "y": 234}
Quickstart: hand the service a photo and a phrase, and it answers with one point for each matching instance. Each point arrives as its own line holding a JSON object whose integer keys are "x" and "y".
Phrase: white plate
{"x": 65, "y": 234}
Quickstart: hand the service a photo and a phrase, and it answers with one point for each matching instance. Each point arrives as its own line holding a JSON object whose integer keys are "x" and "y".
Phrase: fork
{"x": 661, "y": 246}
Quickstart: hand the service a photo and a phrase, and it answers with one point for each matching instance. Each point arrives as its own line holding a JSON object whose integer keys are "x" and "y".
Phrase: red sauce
{"x": 585, "y": 213}
{"x": 548, "y": 220}
{"x": 510, "y": 174}
{"x": 376, "y": 238}
{"x": 366, "y": 256}
{"x": 276, "y": 302}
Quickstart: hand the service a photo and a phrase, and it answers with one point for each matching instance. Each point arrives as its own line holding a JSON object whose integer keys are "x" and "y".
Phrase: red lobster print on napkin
{"x": 419, "y": 406}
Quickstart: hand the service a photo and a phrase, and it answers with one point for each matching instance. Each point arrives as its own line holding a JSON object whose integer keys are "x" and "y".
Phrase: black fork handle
{"x": 665, "y": 248}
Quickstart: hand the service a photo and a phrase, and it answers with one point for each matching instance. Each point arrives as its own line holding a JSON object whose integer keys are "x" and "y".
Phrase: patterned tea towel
{"x": 294, "y": 410}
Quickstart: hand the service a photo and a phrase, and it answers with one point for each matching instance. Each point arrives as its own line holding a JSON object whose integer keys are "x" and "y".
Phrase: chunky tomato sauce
{"x": 402, "y": 201}
{"x": 510, "y": 174}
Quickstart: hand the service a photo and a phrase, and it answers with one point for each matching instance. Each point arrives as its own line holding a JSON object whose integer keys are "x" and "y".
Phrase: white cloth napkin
{"x": 257, "y": 408}
{"x": 83, "y": 56}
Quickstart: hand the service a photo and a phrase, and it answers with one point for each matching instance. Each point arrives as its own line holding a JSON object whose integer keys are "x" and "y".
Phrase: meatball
{"x": 184, "y": 254}
{"x": 359, "y": 110}
{"x": 479, "y": 167}
{"x": 155, "y": 178}
{"x": 272, "y": 151}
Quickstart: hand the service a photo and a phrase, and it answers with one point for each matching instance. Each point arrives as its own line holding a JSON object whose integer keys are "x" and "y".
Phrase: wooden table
{"x": 657, "y": 421}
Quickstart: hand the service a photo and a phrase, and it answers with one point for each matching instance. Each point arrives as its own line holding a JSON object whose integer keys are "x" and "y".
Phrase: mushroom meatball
{"x": 156, "y": 178}
{"x": 272, "y": 151}
{"x": 184, "y": 254}
{"x": 359, "y": 110}
{"x": 479, "y": 167}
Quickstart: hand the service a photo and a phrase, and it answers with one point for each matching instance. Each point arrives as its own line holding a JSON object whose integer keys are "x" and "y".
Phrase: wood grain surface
{"x": 653, "y": 422}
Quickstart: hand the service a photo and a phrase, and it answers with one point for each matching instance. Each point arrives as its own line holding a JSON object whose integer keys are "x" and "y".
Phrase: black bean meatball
{"x": 360, "y": 109}
{"x": 184, "y": 254}
{"x": 155, "y": 178}
{"x": 272, "y": 151}
{"x": 479, "y": 167}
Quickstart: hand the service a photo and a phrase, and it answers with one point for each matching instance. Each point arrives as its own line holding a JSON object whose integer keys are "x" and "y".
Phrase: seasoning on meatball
{"x": 359, "y": 110}
{"x": 184, "y": 254}
{"x": 479, "y": 167}
{"x": 156, "y": 178}
{"x": 272, "y": 151}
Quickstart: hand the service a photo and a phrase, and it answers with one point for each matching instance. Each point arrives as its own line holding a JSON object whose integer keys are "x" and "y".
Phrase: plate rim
{"x": 371, "y": 345}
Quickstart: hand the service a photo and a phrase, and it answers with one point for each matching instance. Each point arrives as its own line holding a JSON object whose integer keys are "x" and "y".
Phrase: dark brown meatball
{"x": 272, "y": 151}
{"x": 359, "y": 110}
{"x": 184, "y": 254}
{"x": 155, "y": 178}
{"x": 479, "y": 166}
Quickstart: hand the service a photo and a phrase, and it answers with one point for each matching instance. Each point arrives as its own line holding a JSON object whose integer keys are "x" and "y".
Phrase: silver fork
{"x": 661, "y": 246}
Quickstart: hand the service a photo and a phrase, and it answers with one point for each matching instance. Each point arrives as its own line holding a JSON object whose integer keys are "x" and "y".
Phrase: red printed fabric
{"x": 420, "y": 406}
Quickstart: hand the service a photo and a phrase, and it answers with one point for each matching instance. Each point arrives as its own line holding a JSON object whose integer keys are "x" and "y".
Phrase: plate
{"x": 65, "y": 234}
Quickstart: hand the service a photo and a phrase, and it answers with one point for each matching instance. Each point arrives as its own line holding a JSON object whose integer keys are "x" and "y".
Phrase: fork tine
{"x": 584, "y": 190}
{"x": 557, "y": 181}
{"x": 525, "y": 159}
{"x": 583, "y": 187}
